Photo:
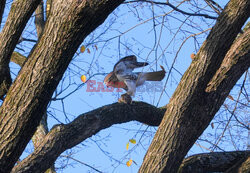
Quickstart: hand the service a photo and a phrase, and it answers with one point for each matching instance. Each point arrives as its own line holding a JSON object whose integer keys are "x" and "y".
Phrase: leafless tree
{"x": 220, "y": 61}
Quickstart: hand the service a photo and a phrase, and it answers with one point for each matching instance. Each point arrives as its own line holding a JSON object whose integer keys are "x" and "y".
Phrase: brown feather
{"x": 155, "y": 76}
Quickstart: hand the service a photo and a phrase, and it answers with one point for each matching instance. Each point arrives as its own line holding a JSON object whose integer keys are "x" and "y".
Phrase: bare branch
{"x": 18, "y": 58}
{"x": 51, "y": 56}
{"x": 243, "y": 166}
{"x": 85, "y": 164}
{"x": 2, "y": 6}
{"x": 63, "y": 137}
{"x": 191, "y": 108}
{"x": 175, "y": 8}
{"x": 39, "y": 19}
{"x": 212, "y": 4}
{"x": 18, "y": 17}
{"x": 212, "y": 162}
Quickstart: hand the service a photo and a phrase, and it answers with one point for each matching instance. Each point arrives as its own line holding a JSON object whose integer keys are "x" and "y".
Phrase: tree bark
{"x": 38, "y": 137}
{"x": 2, "y": 6}
{"x": 213, "y": 162}
{"x": 20, "y": 13}
{"x": 39, "y": 19}
{"x": 244, "y": 167}
{"x": 86, "y": 125}
{"x": 18, "y": 58}
{"x": 192, "y": 106}
{"x": 63, "y": 137}
{"x": 26, "y": 101}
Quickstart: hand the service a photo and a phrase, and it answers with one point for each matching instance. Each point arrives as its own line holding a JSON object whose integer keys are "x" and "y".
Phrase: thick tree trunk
{"x": 63, "y": 137}
{"x": 86, "y": 125}
{"x": 192, "y": 106}
{"x": 2, "y": 6}
{"x": 18, "y": 17}
{"x": 26, "y": 101}
{"x": 39, "y": 19}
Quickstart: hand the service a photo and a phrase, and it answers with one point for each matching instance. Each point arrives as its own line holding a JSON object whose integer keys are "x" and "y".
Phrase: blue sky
{"x": 130, "y": 33}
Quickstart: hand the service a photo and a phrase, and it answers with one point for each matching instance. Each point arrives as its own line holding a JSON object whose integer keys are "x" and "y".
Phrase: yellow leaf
{"x": 82, "y": 49}
{"x": 133, "y": 141}
{"x": 129, "y": 163}
{"x": 83, "y": 78}
{"x": 127, "y": 145}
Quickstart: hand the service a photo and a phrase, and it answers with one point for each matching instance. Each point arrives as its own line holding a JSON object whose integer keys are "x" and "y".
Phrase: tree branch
{"x": 39, "y": 19}
{"x": 175, "y": 8}
{"x": 212, "y": 4}
{"x": 191, "y": 108}
{"x": 18, "y": 17}
{"x": 28, "y": 96}
{"x": 2, "y": 6}
{"x": 212, "y": 162}
{"x": 63, "y": 137}
{"x": 18, "y": 58}
{"x": 243, "y": 166}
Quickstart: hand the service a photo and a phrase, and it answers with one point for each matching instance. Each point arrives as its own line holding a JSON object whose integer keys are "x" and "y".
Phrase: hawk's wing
{"x": 112, "y": 80}
{"x": 128, "y": 64}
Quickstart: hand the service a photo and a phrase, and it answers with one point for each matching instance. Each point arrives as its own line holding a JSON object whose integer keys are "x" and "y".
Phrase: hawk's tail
{"x": 155, "y": 76}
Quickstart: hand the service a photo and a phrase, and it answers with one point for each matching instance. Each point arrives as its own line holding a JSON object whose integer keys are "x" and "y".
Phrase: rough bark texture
{"x": 38, "y": 137}
{"x": 213, "y": 162}
{"x": 192, "y": 107}
{"x": 63, "y": 137}
{"x": 196, "y": 100}
{"x": 244, "y": 167}
{"x": 42, "y": 129}
{"x": 20, "y": 13}
{"x": 2, "y": 6}
{"x": 39, "y": 19}
{"x": 48, "y": 6}
{"x": 28, "y": 96}
{"x": 18, "y": 58}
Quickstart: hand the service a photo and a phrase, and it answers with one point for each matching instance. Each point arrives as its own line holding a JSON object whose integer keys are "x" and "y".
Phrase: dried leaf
{"x": 212, "y": 125}
{"x": 230, "y": 97}
{"x": 133, "y": 141}
{"x": 96, "y": 47}
{"x": 82, "y": 49}
{"x": 83, "y": 78}
{"x": 192, "y": 56}
{"x": 129, "y": 163}
{"x": 127, "y": 145}
{"x": 88, "y": 50}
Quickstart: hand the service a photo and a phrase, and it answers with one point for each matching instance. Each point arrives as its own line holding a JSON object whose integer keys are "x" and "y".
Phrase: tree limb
{"x": 28, "y": 96}
{"x": 18, "y": 58}
{"x": 39, "y": 19}
{"x": 212, "y": 162}
{"x": 18, "y": 17}
{"x": 63, "y": 137}
{"x": 191, "y": 108}
{"x": 2, "y": 6}
{"x": 175, "y": 8}
{"x": 242, "y": 166}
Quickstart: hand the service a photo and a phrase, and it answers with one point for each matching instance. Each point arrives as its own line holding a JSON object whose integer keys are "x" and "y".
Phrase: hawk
{"x": 123, "y": 76}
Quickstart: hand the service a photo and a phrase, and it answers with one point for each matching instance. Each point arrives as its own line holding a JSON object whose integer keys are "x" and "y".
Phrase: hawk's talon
{"x": 125, "y": 98}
